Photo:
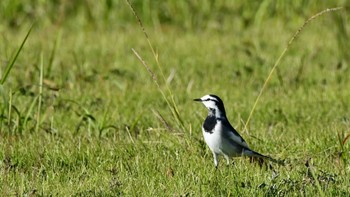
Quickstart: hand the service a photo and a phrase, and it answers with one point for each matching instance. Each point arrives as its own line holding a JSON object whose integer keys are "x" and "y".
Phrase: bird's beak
{"x": 198, "y": 99}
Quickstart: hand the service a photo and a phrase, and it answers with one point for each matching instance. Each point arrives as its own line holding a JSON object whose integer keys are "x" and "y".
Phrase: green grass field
{"x": 80, "y": 115}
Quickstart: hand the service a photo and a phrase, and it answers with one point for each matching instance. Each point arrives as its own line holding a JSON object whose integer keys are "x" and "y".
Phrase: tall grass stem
{"x": 12, "y": 62}
{"x": 296, "y": 34}
{"x": 40, "y": 92}
{"x": 171, "y": 104}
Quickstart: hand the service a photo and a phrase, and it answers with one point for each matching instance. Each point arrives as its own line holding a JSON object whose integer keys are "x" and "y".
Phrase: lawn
{"x": 81, "y": 115}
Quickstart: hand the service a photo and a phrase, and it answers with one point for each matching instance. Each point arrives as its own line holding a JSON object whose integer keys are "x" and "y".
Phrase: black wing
{"x": 232, "y": 134}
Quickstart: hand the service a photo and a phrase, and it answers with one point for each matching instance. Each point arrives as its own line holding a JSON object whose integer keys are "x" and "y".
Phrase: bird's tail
{"x": 252, "y": 153}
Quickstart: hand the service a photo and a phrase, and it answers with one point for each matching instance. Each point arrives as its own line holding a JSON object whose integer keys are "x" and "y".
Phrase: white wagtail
{"x": 220, "y": 136}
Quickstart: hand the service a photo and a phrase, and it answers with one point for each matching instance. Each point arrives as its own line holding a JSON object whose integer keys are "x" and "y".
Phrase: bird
{"x": 219, "y": 134}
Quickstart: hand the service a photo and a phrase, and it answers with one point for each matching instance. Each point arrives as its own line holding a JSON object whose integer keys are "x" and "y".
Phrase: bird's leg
{"x": 227, "y": 159}
{"x": 215, "y": 160}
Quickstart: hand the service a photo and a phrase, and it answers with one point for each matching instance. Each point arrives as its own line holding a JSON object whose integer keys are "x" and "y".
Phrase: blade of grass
{"x": 318, "y": 185}
{"x": 154, "y": 77}
{"x": 53, "y": 53}
{"x": 171, "y": 104}
{"x": 296, "y": 34}
{"x": 12, "y": 62}
{"x": 17, "y": 123}
{"x": 345, "y": 139}
{"x": 10, "y": 108}
{"x": 30, "y": 109}
{"x": 40, "y": 92}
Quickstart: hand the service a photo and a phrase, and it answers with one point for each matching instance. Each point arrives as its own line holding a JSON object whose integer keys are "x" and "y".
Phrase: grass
{"x": 80, "y": 115}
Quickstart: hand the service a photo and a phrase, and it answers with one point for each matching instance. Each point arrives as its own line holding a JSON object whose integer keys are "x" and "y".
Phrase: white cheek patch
{"x": 210, "y": 104}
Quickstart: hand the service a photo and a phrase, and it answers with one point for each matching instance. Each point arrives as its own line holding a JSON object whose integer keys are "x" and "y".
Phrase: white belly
{"x": 218, "y": 144}
{"x": 214, "y": 140}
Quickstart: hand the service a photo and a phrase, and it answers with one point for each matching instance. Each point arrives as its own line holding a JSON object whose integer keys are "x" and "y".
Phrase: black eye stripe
{"x": 208, "y": 99}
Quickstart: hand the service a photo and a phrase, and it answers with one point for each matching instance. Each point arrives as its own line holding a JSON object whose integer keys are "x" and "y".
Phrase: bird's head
{"x": 213, "y": 103}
